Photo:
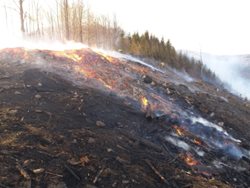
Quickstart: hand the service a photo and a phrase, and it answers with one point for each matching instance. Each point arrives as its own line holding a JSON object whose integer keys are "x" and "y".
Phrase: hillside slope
{"x": 82, "y": 118}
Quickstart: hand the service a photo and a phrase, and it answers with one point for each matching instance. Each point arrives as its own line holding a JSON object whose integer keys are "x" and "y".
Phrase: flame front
{"x": 69, "y": 54}
{"x": 107, "y": 57}
{"x": 88, "y": 70}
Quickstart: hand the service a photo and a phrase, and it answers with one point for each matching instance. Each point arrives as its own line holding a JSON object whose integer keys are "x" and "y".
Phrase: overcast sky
{"x": 215, "y": 26}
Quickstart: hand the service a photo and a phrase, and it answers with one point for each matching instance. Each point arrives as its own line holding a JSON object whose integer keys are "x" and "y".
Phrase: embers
{"x": 179, "y": 130}
{"x": 189, "y": 159}
{"x": 144, "y": 102}
{"x": 197, "y": 141}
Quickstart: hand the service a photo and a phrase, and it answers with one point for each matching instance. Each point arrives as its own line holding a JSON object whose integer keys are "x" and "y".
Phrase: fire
{"x": 180, "y": 131}
{"x": 85, "y": 72}
{"x": 144, "y": 101}
{"x": 110, "y": 59}
{"x": 105, "y": 84}
{"x": 75, "y": 57}
{"x": 70, "y": 55}
{"x": 91, "y": 74}
{"x": 107, "y": 57}
{"x": 197, "y": 141}
{"x": 188, "y": 158}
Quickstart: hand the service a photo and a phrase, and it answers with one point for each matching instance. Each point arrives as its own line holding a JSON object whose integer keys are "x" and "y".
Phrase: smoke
{"x": 127, "y": 57}
{"x": 178, "y": 143}
{"x": 17, "y": 40}
{"x": 231, "y": 69}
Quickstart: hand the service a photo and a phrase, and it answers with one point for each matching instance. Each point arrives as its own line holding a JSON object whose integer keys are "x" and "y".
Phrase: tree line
{"x": 72, "y": 20}
{"x": 148, "y": 45}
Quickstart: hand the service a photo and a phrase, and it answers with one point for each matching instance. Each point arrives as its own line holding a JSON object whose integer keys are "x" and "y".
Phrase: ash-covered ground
{"x": 82, "y": 118}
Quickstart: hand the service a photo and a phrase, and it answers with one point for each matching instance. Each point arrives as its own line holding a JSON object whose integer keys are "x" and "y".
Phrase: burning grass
{"x": 144, "y": 102}
{"x": 179, "y": 130}
{"x": 189, "y": 159}
{"x": 197, "y": 141}
{"x": 72, "y": 55}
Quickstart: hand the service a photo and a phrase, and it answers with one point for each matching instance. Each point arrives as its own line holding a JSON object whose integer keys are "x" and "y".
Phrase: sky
{"x": 213, "y": 26}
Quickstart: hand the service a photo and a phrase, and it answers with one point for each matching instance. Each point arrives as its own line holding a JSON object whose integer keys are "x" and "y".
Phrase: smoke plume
{"x": 233, "y": 70}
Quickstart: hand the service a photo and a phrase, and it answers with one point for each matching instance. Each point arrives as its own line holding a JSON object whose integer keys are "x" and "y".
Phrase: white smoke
{"x": 127, "y": 57}
{"x": 16, "y": 40}
{"x": 178, "y": 143}
{"x": 229, "y": 70}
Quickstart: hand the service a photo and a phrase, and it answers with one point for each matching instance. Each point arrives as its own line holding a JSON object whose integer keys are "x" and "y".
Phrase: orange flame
{"x": 70, "y": 55}
{"x": 197, "y": 141}
{"x": 188, "y": 158}
{"x": 110, "y": 59}
{"x": 91, "y": 74}
{"x": 85, "y": 72}
{"x": 180, "y": 131}
{"x": 144, "y": 101}
{"x": 75, "y": 57}
{"x": 105, "y": 84}
{"x": 107, "y": 57}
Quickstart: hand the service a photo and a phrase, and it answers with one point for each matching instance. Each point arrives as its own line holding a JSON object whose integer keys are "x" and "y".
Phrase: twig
{"x": 72, "y": 172}
{"x": 98, "y": 175}
{"x": 156, "y": 171}
{"x": 142, "y": 141}
{"x": 173, "y": 160}
{"x": 6, "y": 152}
{"x": 22, "y": 171}
{"x": 165, "y": 147}
{"x": 58, "y": 175}
{"x": 46, "y": 153}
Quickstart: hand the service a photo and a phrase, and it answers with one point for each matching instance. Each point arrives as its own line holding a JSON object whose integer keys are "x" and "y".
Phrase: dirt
{"x": 54, "y": 133}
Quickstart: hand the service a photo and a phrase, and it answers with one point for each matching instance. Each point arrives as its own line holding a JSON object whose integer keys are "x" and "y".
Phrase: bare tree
{"x": 80, "y": 12}
{"x": 6, "y": 16}
{"x": 38, "y": 32}
{"x": 65, "y": 20}
{"x": 66, "y": 17}
{"x": 21, "y": 13}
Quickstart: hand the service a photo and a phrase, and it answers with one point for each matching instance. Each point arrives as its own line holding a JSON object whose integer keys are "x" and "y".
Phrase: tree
{"x": 21, "y": 13}
{"x": 66, "y": 18}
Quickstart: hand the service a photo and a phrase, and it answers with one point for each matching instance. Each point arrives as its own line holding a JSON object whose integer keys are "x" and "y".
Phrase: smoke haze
{"x": 234, "y": 70}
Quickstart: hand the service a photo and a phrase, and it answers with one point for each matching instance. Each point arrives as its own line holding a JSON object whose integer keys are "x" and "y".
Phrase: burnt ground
{"x": 56, "y": 134}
